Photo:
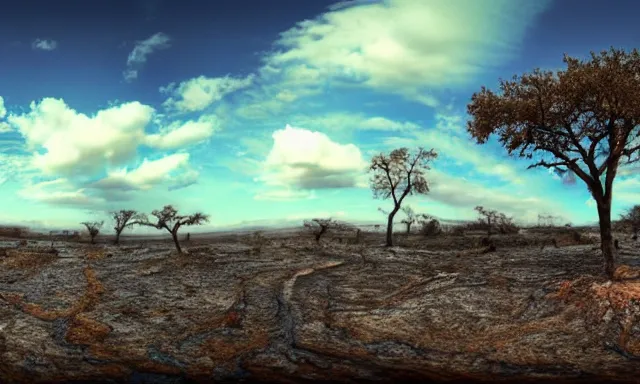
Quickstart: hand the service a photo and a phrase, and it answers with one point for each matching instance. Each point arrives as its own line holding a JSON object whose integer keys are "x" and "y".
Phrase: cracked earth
{"x": 431, "y": 310}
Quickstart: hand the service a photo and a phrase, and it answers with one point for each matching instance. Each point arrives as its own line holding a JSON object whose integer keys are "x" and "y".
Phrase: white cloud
{"x": 406, "y": 46}
{"x": 199, "y": 93}
{"x": 302, "y": 159}
{"x": 3, "y": 110}
{"x": 284, "y": 195}
{"x": 146, "y": 176}
{"x": 59, "y": 191}
{"x": 75, "y": 143}
{"x": 181, "y": 135}
{"x": 346, "y": 121}
{"x": 141, "y": 50}
{"x": 449, "y": 139}
{"x": 463, "y": 195}
{"x": 186, "y": 179}
{"x": 44, "y": 44}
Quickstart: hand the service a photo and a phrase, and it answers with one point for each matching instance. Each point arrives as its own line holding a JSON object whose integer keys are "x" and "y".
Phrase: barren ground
{"x": 433, "y": 309}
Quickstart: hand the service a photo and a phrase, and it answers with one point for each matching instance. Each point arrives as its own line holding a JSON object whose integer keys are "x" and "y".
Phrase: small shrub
{"x": 430, "y": 227}
{"x": 258, "y": 240}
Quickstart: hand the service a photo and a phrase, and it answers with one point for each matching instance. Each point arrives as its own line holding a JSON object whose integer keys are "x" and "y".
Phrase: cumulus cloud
{"x": 149, "y": 174}
{"x": 75, "y": 143}
{"x": 405, "y": 46}
{"x": 301, "y": 159}
{"x": 60, "y": 192}
{"x": 178, "y": 135}
{"x": 141, "y": 51}
{"x": 44, "y": 44}
{"x": 198, "y": 93}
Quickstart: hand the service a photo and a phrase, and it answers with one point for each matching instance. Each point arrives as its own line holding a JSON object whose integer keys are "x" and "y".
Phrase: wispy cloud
{"x": 407, "y": 47}
{"x": 44, "y": 44}
{"x": 141, "y": 50}
{"x": 198, "y": 93}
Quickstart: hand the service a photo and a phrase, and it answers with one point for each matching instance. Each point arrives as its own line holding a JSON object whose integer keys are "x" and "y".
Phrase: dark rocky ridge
{"x": 436, "y": 310}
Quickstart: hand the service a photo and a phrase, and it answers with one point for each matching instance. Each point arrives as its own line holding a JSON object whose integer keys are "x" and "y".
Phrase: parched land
{"x": 287, "y": 310}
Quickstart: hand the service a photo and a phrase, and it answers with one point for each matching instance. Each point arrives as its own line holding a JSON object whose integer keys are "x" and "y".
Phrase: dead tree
{"x": 124, "y": 218}
{"x": 319, "y": 227}
{"x": 399, "y": 175}
{"x": 410, "y": 218}
{"x": 631, "y": 218}
{"x": 581, "y": 121}
{"x": 168, "y": 219}
{"x": 93, "y": 227}
{"x": 488, "y": 218}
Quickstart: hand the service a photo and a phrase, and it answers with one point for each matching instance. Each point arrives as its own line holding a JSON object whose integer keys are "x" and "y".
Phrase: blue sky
{"x": 270, "y": 111}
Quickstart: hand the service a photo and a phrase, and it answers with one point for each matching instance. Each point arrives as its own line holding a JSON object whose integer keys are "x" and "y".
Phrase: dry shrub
{"x": 625, "y": 272}
{"x": 619, "y": 294}
{"x": 26, "y": 259}
{"x": 257, "y": 241}
{"x": 95, "y": 254}
{"x": 457, "y": 230}
{"x": 430, "y": 227}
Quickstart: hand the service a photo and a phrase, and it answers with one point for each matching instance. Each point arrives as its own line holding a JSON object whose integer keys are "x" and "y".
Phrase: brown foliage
{"x": 582, "y": 121}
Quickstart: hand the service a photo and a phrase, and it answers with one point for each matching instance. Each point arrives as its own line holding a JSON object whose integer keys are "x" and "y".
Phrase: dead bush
{"x": 258, "y": 241}
{"x": 429, "y": 226}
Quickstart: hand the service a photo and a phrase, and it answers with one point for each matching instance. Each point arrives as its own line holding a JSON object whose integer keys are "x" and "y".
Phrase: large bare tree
{"x": 168, "y": 219}
{"x": 93, "y": 227}
{"x": 124, "y": 218}
{"x": 580, "y": 121}
{"x": 399, "y": 175}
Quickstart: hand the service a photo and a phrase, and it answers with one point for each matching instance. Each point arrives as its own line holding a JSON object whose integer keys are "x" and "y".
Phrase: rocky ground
{"x": 287, "y": 310}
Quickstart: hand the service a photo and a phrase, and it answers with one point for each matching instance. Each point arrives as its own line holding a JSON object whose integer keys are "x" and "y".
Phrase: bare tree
{"x": 319, "y": 227}
{"x": 124, "y": 218}
{"x": 399, "y": 175}
{"x": 581, "y": 121}
{"x": 410, "y": 217}
{"x": 93, "y": 227}
{"x": 169, "y": 219}
{"x": 631, "y": 218}
{"x": 488, "y": 217}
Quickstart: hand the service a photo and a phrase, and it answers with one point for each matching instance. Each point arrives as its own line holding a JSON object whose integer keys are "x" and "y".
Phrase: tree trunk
{"x": 117, "y": 240}
{"x": 408, "y": 228}
{"x": 174, "y": 235}
{"x": 606, "y": 238}
{"x": 93, "y": 239}
{"x": 390, "y": 227}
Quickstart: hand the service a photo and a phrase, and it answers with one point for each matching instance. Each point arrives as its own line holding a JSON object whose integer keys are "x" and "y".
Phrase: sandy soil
{"x": 284, "y": 309}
